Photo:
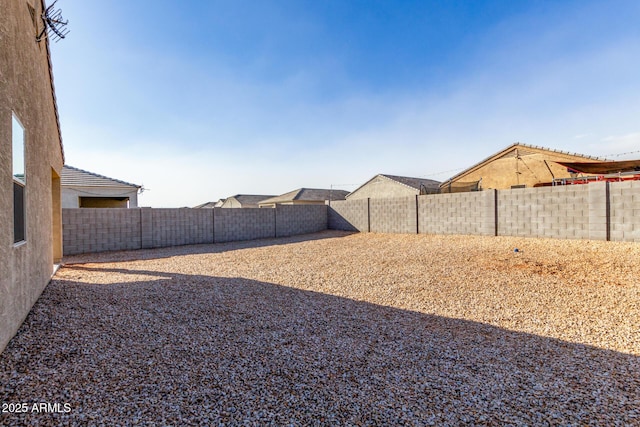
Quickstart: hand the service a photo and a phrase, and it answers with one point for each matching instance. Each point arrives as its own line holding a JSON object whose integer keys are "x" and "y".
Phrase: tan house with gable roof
{"x": 518, "y": 165}
{"x": 83, "y": 189}
{"x": 384, "y": 186}
{"x": 210, "y": 205}
{"x": 305, "y": 196}
{"x": 244, "y": 201}
{"x": 31, "y": 159}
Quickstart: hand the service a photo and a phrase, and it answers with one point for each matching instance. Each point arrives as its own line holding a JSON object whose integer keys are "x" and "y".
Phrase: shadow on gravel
{"x": 209, "y": 248}
{"x": 199, "y": 350}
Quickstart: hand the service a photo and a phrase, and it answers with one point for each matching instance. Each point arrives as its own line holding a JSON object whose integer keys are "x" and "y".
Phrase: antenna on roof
{"x": 54, "y": 25}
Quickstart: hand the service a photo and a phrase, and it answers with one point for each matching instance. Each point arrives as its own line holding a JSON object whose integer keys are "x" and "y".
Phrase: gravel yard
{"x": 336, "y": 329}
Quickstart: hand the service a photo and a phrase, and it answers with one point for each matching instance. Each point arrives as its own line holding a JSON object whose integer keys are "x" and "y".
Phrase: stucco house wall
{"x": 231, "y": 202}
{"x": 519, "y": 165}
{"x": 84, "y": 189}
{"x": 389, "y": 186}
{"x": 381, "y": 188}
{"x": 26, "y": 90}
{"x": 244, "y": 201}
{"x": 71, "y": 197}
{"x": 293, "y": 202}
{"x": 299, "y": 202}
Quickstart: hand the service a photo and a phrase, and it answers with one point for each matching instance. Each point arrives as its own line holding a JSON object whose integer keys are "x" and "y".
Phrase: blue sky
{"x": 202, "y": 99}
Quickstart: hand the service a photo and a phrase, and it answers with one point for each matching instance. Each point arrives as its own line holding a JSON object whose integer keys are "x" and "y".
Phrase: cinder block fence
{"x": 99, "y": 230}
{"x": 598, "y": 211}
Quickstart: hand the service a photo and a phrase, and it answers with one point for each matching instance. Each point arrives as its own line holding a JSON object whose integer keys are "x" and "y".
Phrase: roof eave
{"x": 53, "y": 91}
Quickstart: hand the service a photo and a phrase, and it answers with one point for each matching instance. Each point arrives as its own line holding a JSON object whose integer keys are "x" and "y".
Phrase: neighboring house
{"x": 518, "y": 165}
{"x": 304, "y": 196}
{"x": 31, "y": 164}
{"x": 384, "y": 186}
{"x": 210, "y": 205}
{"x": 82, "y": 189}
{"x": 207, "y": 205}
{"x": 244, "y": 200}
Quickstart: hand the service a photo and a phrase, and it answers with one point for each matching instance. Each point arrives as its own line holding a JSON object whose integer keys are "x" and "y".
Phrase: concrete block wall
{"x": 457, "y": 213}
{"x": 596, "y": 211}
{"x": 99, "y": 230}
{"x": 558, "y": 212}
{"x": 624, "y": 200}
{"x": 598, "y": 208}
{"x": 243, "y": 224}
{"x": 349, "y": 215}
{"x": 175, "y": 227}
{"x": 300, "y": 219}
{"x": 396, "y": 215}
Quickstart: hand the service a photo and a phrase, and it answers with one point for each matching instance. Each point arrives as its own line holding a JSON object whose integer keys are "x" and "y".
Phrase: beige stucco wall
{"x": 382, "y": 188}
{"x": 231, "y": 203}
{"x": 25, "y": 88}
{"x": 527, "y": 169}
{"x": 71, "y": 195}
{"x": 56, "y": 217}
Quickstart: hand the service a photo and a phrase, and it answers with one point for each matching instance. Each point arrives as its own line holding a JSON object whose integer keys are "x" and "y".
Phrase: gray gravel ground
{"x": 336, "y": 329}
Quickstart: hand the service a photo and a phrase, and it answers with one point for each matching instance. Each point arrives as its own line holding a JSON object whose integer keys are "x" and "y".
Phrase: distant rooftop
{"x": 250, "y": 199}
{"x": 207, "y": 205}
{"x": 75, "y": 177}
{"x": 308, "y": 194}
{"x": 416, "y": 183}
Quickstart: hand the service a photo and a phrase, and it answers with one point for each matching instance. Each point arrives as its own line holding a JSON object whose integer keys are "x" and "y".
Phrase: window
{"x": 19, "y": 180}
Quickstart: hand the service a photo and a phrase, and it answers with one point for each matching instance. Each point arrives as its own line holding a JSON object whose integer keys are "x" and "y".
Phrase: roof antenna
{"x": 54, "y": 25}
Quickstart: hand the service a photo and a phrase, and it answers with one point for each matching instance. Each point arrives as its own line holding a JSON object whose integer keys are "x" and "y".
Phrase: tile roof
{"x": 207, "y": 205}
{"x": 250, "y": 199}
{"x": 416, "y": 183}
{"x": 74, "y": 177}
{"x": 308, "y": 194}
